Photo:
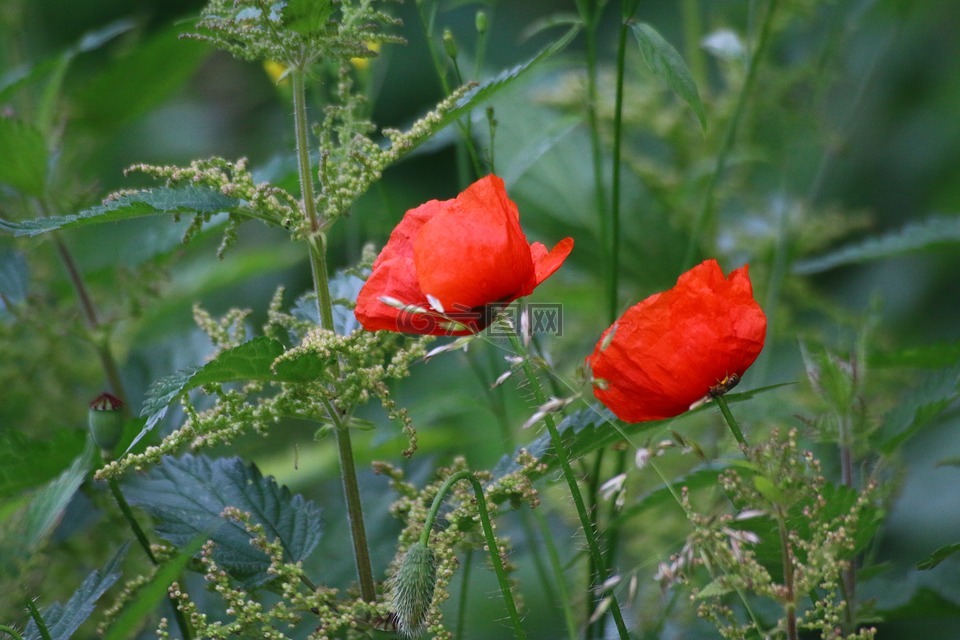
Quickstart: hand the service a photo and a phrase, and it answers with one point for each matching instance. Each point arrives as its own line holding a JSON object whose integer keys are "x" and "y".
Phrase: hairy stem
{"x": 491, "y": 539}
{"x": 321, "y": 282}
{"x": 790, "y": 605}
{"x": 10, "y": 631}
{"x": 38, "y": 620}
{"x": 589, "y": 533}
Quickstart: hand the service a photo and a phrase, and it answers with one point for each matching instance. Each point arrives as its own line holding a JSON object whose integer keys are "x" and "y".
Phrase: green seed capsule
{"x": 105, "y": 419}
{"x": 413, "y": 587}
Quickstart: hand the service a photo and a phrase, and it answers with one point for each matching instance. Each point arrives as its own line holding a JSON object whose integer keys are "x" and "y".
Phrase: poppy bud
{"x": 449, "y": 45}
{"x": 105, "y": 419}
{"x": 413, "y": 587}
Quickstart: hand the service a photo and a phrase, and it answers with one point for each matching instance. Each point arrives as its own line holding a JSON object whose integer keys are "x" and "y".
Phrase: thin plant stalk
{"x": 488, "y": 535}
{"x": 464, "y": 593}
{"x": 707, "y": 208}
{"x": 790, "y": 604}
{"x": 731, "y": 422}
{"x": 321, "y": 281}
{"x": 589, "y": 533}
{"x": 38, "y": 620}
{"x": 10, "y": 631}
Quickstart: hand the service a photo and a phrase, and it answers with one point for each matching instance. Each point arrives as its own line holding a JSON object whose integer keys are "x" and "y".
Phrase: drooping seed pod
{"x": 413, "y": 587}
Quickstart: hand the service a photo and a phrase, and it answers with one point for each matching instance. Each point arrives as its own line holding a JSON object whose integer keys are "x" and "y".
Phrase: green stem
{"x": 321, "y": 281}
{"x": 706, "y": 209}
{"x": 613, "y": 284}
{"x": 464, "y": 593}
{"x": 790, "y": 606}
{"x": 10, "y": 631}
{"x": 488, "y": 534}
{"x": 38, "y": 620}
{"x": 731, "y": 421}
{"x": 182, "y": 623}
{"x": 692, "y": 28}
{"x": 588, "y": 531}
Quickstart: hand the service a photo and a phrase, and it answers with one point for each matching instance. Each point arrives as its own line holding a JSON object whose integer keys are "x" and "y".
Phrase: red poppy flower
{"x": 677, "y": 347}
{"x": 447, "y": 260}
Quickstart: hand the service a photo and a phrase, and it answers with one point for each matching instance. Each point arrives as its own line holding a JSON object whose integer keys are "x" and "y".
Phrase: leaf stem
{"x": 706, "y": 209}
{"x": 731, "y": 421}
{"x": 491, "y": 539}
{"x": 588, "y": 531}
{"x": 316, "y": 242}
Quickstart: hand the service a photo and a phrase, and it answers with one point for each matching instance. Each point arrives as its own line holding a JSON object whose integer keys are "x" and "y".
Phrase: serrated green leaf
{"x": 23, "y": 157}
{"x": 189, "y": 199}
{"x": 139, "y": 81}
{"x": 937, "y": 391}
{"x": 63, "y": 620}
{"x": 187, "y": 496}
{"x": 668, "y": 65}
{"x": 304, "y": 366}
{"x": 27, "y": 463}
{"x": 938, "y": 556}
{"x": 251, "y": 360}
{"x": 916, "y": 236}
{"x": 715, "y": 589}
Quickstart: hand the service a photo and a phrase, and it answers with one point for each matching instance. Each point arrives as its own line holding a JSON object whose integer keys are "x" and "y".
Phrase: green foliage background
{"x": 842, "y": 191}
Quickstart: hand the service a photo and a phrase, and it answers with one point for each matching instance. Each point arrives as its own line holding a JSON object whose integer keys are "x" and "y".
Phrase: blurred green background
{"x": 854, "y": 132}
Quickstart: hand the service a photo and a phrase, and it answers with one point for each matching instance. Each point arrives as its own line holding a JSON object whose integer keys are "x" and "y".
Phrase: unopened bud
{"x": 449, "y": 45}
{"x": 482, "y": 22}
{"x": 105, "y": 419}
{"x": 413, "y": 586}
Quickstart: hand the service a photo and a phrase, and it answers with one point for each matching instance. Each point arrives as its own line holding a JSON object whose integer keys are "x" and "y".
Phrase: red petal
{"x": 546, "y": 264}
{"x": 668, "y": 350}
{"x": 472, "y": 251}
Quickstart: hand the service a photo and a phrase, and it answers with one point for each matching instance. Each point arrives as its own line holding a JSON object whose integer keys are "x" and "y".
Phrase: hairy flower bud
{"x": 413, "y": 586}
{"x": 449, "y": 44}
{"x": 105, "y": 419}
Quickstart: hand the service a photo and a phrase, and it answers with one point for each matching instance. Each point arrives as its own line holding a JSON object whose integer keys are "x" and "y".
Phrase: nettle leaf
{"x": 668, "y": 65}
{"x": 932, "y": 356}
{"x": 917, "y": 236}
{"x": 251, "y": 360}
{"x": 938, "y": 556}
{"x": 187, "y": 497}
{"x": 47, "y": 506}
{"x": 14, "y": 277}
{"x": 938, "y": 391}
{"x": 189, "y": 199}
{"x": 23, "y": 157}
{"x": 63, "y": 620}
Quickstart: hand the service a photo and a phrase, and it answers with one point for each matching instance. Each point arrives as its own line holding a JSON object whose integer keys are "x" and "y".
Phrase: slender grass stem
{"x": 491, "y": 539}
{"x": 692, "y": 28}
{"x": 731, "y": 421}
{"x": 38, "y": 620}
{"x": 790, "y": 605}
{"x": 464, "y": 599}
{"x": 613, "y": 284}
{"x": 707, "y": 208}
{"x": 321, "y": 281}
{"x": 10, "y": 631}
{"x": 588, "y": 531}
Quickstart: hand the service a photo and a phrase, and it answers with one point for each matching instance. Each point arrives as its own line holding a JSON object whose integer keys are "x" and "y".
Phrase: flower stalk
{"x": 321, "y": 280}
{"x": 731, "y": 421}
{"x": 593, "y": 546}
{"x": 488, "y": 535}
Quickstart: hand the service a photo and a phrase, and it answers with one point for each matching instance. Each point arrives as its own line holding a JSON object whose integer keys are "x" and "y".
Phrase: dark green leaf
{"x": 914, "y": 594}
{"x": 936, "y": 392}
{"x": 141, "y": 80}
{"x": 63, "y": 620}
{"x": 938, "y": 556}
{"x": 187, "y": 496}
{"x": 696, "y": 479}
{"x": 14, "y": 276}
{"x": 251, "y": 360}
{"x": 23, "y": 157}
{"x": 917, "y": 236}
{"x": 150, "y": 594}
{"x": 27, "y": 463}
{"x": 189, "y": 199}
{"x": 668, "y": 65}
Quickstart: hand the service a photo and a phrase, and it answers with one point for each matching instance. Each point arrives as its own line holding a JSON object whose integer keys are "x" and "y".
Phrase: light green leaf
{"x": 668, "y": 65}
{"x": 916, "y": 236}
{"x": 187, "y": 496}
{"x": 26, "y": 463}
{"x": 23, "y": 157}
{"x": 937, "y": 391}
{"x": 63, "y": 620}
{"x": 938, "y": 556}
{"x": 307, "y": 17}
{"x": 189, "y": 199}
